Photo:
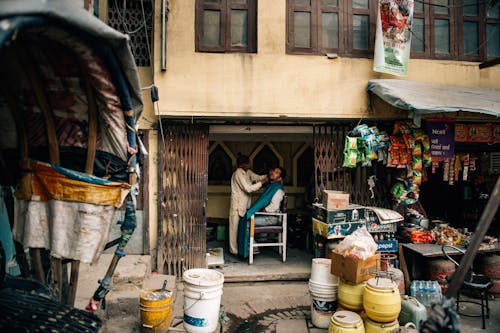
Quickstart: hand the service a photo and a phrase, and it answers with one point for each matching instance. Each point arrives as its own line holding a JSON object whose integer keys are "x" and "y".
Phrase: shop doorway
{"x": 267, "y": 146}
{"x": 196, "y": 164}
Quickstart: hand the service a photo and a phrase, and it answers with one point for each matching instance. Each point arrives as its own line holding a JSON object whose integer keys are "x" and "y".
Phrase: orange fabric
{"x": 46, "y": 183}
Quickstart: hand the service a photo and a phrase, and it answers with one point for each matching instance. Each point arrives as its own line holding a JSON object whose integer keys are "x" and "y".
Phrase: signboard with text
{"x": 442, "y": 137}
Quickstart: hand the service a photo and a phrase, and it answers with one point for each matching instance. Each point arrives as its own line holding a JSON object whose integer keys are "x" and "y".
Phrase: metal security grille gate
{"x": 331, "y": 175}
{"x": 183, "y": 182}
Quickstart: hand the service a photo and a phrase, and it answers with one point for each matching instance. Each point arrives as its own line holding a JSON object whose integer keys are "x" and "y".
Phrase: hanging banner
{"x": 393, "y": 37}
{"x": 441, "y": 134}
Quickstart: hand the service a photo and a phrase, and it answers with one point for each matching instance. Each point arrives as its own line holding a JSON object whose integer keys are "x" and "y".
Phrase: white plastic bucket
{"x": 321, "y": 311}
{"x": 320, "y": 272}
{"x": 202, "y": 295}
{"x": 323, "y": 290}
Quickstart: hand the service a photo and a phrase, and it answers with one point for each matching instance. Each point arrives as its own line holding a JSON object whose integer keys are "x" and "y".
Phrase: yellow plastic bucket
{"x": 350, "y": 295}
{"x": 346, "y": 322}
{"x": 374, "y": 327}
{"x": 381, "y": 300}
{"x": 156, "y": 311}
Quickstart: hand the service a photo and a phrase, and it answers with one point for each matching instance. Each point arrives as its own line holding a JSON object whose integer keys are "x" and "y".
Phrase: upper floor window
{"x": 226, "y": 26}
{"x": 323, "y": 26}
{"x": 455, "y": 29}
{"x": 441, "y": 29}
{"x": 134, "y": 18}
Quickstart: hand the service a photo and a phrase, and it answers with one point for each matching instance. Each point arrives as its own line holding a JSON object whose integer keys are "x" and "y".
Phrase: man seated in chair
{"x": 269, "y": 201}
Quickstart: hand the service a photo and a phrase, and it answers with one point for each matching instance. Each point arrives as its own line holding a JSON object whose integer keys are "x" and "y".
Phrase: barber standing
{"x": 242, "y": 185}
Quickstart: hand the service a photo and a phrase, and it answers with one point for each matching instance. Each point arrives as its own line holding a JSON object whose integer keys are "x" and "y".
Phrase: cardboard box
{"x": 373, "y": 223}
{"x": 353, "y": 213}
{"x": 335, "y": 230}
{"x": 335, "y": 199}
{"x": 355, "y": 270}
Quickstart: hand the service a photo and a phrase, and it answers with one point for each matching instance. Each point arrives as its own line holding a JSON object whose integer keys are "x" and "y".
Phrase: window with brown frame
{"x": 226, "y": 26}
{"x": 455, "y": 29}
{"x": 330, "y": 26}
{"x": 441, "y": 29}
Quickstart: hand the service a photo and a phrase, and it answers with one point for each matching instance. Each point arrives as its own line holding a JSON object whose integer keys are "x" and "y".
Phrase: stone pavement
{"x": 254, "y": 307}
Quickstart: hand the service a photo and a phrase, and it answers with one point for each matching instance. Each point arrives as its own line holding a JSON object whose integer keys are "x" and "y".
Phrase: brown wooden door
{"x": 183, "y": 197}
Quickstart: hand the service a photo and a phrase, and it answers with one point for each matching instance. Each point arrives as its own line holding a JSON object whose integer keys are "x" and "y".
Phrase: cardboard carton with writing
{"x": 335, "y": 199}
{"x": 353, "y": 269}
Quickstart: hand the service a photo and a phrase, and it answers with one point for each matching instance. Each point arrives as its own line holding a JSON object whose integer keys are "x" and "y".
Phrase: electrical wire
{"x": 450, "y": 6}
{"x": 123, "y": 19}
{"x": 156, "y": 103}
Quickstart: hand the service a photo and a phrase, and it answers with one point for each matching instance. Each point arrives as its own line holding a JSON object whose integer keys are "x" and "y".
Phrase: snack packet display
{"x": 351, "y": 143}
{"x": 401, "y": 128}
{"x": 427, "y": 158}
{"x": 417, "y": 150}
{"x": 360, "y": 129}
{"x": 417, "y": 177}
{"x": 426, "y": 144}
{"x": 350, "y": 158}
{"x": 417, "y": 163}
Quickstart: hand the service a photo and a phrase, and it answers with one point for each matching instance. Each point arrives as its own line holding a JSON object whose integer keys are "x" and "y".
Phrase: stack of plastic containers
{"x": 323, "y": 287}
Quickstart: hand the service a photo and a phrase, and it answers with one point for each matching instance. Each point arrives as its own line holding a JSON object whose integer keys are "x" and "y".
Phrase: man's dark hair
{"x": 283, "y": 172}
{"x": 242, "y": 159}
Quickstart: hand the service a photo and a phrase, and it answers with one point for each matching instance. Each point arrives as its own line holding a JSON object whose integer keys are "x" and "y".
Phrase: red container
{"x": 489, "y": 265}
{"x": 439, "y": 269}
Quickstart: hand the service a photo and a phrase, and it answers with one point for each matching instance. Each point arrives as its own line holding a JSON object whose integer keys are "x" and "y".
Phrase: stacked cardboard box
{"x": 353, "y": 269}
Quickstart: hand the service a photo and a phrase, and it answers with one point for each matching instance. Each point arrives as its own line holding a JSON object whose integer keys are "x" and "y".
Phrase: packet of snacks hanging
{"x": 350, "y": 152}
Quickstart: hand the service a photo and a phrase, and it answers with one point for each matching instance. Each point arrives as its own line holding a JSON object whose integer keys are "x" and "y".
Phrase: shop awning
{"x": 425, "y": 98}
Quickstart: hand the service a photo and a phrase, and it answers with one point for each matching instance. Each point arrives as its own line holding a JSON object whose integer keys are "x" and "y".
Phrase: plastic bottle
{"x": 413, "y": 288}
{"x": 421, "y": 292}
{"x": 437, "y": 291}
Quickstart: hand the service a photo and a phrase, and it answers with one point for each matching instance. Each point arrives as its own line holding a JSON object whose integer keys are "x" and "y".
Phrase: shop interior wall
{"x": 272, "y": 83}
{"x": 287, "y": 153}
{"x": 462, "y": 204}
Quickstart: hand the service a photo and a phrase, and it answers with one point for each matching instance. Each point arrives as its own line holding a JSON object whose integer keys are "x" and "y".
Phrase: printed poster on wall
{"x": 441, "y": 134}
{"x": 393, "y": 37}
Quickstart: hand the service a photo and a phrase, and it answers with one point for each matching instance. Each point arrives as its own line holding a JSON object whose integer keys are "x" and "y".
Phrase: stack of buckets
{"x": 323, "y": 287}
{"x": 382, "y": 305}
{"x": 377, "y": 301}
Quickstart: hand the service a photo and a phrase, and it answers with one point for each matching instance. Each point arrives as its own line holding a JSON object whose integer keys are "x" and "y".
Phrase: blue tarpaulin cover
{"x": 425, "y": 97}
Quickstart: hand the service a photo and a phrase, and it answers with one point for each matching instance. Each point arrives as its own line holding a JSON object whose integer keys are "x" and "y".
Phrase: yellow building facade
{"x": 268, "y": 85}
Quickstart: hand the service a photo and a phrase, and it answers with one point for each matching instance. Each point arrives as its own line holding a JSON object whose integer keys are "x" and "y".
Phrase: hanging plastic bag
{"x": 359, "y": 244}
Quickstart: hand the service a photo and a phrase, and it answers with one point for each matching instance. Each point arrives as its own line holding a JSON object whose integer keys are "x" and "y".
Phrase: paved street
{"x": 268, "y": 306}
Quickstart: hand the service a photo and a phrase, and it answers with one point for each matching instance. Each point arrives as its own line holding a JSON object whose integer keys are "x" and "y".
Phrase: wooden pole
{"x": 36, "y": 82}
{"x": 481, "y": 229}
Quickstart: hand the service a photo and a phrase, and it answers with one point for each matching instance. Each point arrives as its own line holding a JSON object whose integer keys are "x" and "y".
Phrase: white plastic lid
{"x": 346, "y": 318}
{"x": 203, "y": 277}
{"x": 382, "y": 283}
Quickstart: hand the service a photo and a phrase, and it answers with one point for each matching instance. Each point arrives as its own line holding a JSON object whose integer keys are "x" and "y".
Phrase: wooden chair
{"x": 279, "y": 229}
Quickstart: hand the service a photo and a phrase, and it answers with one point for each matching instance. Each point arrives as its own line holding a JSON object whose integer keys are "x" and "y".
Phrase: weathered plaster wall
{"x": 269, "y": 83}
{"x": 272, "y": 83}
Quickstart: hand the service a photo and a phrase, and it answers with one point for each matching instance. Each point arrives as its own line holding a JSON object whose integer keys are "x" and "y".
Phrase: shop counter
{"x": 416, "y": 254}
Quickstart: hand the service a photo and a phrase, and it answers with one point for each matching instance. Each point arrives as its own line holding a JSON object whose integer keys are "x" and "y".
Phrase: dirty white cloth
{"x": 273, "y": 207}
{"x": 242, "y": 185}
{"x": 69, "y": 230}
